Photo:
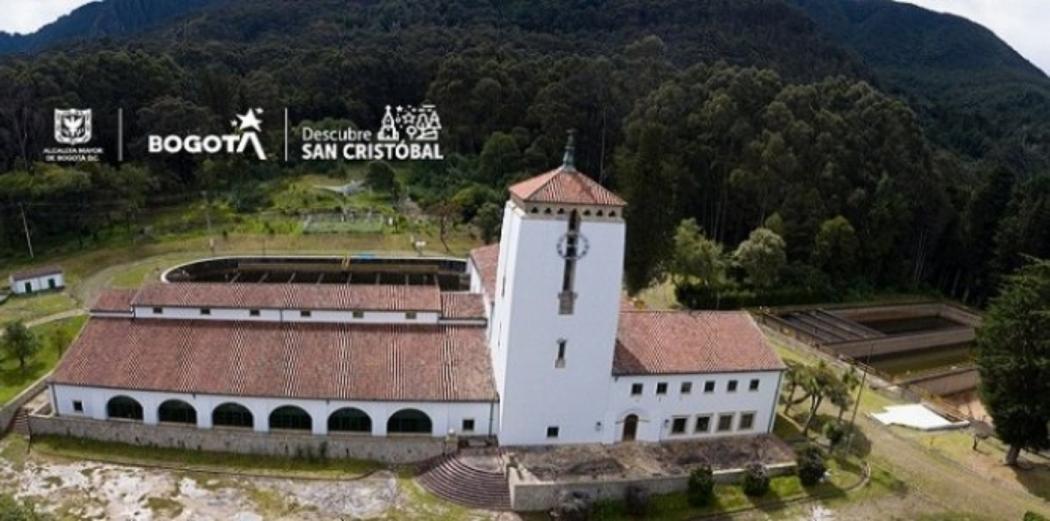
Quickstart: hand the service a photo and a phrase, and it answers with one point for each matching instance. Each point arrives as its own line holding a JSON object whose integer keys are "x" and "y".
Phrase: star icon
{"x": 249, "y": 121}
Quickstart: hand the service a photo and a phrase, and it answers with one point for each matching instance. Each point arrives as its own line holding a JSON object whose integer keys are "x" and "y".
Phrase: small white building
{"x": 36, "y": 280}
{"x": 539, "y": 351}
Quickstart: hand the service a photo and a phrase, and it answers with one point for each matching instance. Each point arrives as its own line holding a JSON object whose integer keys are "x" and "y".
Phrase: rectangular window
{"x": 253, "y": 312}
{"x": 468, "y": 425}
{"x": 552, "y": 432}
{"x": 731, "y": 386}
{"x": 78, "y": 406}
{"x": 687, "y": 387}
{"x": 636, "y": 389}
{"x": 747, "y": 421}
{"x": 709, "y": 387}
{"x": 359, "y": 314}
{"x": 703, "y": 424}
{"x": 158, "y": 311}
{"x": 753, "y": 385}
{"x": 305, "y": 314}
{"x": 725, "y": 422}
{"x": 560, "y": 361}
{"x": 678, "y": 425}
{"x": 410, "y": 315}
{"x": 661, "y": 388}
{"x": 205, "y": 311}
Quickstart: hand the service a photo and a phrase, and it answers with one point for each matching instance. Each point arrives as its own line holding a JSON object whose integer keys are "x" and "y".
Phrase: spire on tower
{"x": 569, "y": 161}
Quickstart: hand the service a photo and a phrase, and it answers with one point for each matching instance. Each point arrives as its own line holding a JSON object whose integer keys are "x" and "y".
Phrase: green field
{"x": 13, "y": 380}
{"x": 32, "y": 307}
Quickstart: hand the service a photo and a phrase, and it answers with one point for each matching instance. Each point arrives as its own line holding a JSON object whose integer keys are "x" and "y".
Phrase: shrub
{"x": 1032, "y": 516}
{"x": 637, "y": 501}
{"x": 13, "y": 510}
{"x": 834, "y": 432}
{"x": 701, "y": 486}
{"x": 811, "y": 466}
{"x": 573, "y": 506}
{"x": 756, "y": 480}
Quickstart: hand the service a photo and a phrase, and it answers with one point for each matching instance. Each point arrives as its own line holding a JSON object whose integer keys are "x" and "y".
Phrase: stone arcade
{"x": 541, "y": 350}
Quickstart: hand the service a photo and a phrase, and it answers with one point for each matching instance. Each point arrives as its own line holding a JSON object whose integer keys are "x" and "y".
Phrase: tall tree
{"x": 835, "y": 249}
{"x": 648, "y": 179}
{"x": 762, "y": 257}
{"x": 1013, "y": 358}
{"x": 696, "y": 258}
{"x": 20, "y": 343}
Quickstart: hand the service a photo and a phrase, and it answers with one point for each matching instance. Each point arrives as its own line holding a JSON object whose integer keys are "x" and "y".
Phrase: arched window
{"x": 124, "y": 408}
{"x": 409, "y": 421}
{"x": 177, "y": 411}
{"x": 349, "y": 419}
{"x": 290, "y": 417}
{"x": 232, "y": 415}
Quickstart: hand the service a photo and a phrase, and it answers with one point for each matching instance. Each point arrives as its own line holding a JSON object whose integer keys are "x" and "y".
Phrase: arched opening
{"x": 232, "y": 415}
{"x": 124, "y": 408}
{"x": 630, "y": 427}
{"x": 349, "y": 419}
{"x": 177, "y": 411}
{"x": 290, "y": 417}
{"x": 409, "y": 421}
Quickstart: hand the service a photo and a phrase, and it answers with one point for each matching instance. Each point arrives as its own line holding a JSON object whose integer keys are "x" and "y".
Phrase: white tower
{"x": 556, "y": 307}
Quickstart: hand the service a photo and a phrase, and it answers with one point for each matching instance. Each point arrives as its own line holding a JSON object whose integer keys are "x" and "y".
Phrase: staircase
{"x": 460, "y": 479}
{"x": 20, "y": 423}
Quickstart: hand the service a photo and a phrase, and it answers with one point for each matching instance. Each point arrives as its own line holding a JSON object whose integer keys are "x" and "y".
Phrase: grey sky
{"x": 26, "y": 16}
{"x": 1022, "y": 23}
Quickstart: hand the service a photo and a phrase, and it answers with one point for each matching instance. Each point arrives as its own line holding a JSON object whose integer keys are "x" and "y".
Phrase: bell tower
{"x": 557, "y": 307}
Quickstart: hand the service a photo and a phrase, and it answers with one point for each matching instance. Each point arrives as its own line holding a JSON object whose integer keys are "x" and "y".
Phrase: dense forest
{"x": 733, "y": 115}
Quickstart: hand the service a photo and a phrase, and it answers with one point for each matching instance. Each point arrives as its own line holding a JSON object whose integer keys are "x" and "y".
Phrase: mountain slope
{"x": 99, "y": 19}
{"x": 975, "y": 93}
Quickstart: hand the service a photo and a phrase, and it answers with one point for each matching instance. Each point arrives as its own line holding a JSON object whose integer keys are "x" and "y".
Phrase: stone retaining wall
{"x": 528, "y": 495}
{"x": 951, "y": 381}
{"x": 9, "y": 409}
{"x": 859, "y": 349}
{"x": 392, "y": 449}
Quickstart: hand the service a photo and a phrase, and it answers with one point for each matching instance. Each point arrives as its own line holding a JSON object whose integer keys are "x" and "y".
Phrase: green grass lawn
{"x": 30, "y": 307}
{"x": 731, "y": 498}
{"x": 13, "y": 380}
{"x": 193, "y": 460}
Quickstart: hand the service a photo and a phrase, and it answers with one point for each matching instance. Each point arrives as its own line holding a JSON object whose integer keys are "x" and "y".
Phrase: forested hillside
{"x": 736, "y": 113}
{"x": 113, "y": 18}
{"x": 974, "y": 93}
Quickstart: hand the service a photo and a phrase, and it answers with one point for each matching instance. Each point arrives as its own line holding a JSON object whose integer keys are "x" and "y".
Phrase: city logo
{"x": 405, "y": 132}
{"x": 72, "y": 127}
{"x": 245, "y": 135}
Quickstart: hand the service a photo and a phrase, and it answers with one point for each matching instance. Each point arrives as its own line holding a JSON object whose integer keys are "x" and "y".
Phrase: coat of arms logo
{"x": 72, "y": 126}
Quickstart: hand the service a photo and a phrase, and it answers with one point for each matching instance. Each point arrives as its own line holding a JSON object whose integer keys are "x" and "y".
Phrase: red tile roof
{"x": 462, "y": 305}
{"x": 114, "y": 300}
{"x": 565, "y": 186}
{"x": 318, "y": 361}
{"x": 292, "y": 296}
{"x": 36, "y": 272}
{"x": 486, "y": 260}
{"x": 668, "y": 342}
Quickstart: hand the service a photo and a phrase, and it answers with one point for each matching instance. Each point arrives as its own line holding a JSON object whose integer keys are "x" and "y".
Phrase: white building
{"x": 33, "y": 281}
{"x": 539, "y": 351}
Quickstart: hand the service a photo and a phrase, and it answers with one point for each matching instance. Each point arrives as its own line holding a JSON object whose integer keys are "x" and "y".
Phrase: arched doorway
{"x": 290, "y": 417}
{"x": 630, "y": 427}
{"x": 232, "y": 415}
{"x": 409, "y": 421}
{"x": 349, "y": 419}
{"x": 124, "y": 408}
{"x": 177, "y": 411}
